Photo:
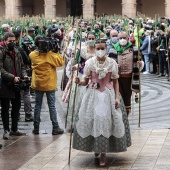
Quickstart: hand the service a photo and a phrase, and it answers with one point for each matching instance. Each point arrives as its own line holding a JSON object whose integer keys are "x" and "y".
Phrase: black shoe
{"x": 28, "y": 118}
{"x": 0, "y": 146}
{"x": 35, "y": 131}
{"x": 57, "y": 131}
{"x": 6, "y": 135}
{"x": 17, "y": 133}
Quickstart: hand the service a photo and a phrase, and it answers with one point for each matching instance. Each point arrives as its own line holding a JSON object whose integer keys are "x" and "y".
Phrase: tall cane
{"x": 139, "y": 121}
{"x": 73, "y": 109}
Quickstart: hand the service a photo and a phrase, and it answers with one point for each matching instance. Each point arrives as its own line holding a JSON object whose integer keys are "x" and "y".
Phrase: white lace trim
{"x": 110, "y": 65}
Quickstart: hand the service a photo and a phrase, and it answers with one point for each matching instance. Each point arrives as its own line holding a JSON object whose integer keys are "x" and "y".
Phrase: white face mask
{"x": 123, "y": 42}
{"x": 100, "y": 53}
{"x": 91, "y": 42}
{"x": 74, "y": 29}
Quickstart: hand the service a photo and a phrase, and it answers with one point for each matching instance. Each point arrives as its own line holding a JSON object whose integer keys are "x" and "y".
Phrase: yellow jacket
{"x": 44, "y": 75}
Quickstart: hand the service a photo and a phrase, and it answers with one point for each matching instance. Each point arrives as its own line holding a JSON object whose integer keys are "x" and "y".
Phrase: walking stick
{"x": 73, "y": 108}
{"x": 139, "y": 121}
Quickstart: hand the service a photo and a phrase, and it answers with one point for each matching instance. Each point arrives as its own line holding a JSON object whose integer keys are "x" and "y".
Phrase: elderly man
{"x": 127, "y": 63}
{"x": 6, "y": 28}
{"x": 113, "y": 39}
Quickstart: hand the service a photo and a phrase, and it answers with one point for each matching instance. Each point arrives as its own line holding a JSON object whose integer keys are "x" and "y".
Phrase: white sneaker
{"x": 146, "y": 72}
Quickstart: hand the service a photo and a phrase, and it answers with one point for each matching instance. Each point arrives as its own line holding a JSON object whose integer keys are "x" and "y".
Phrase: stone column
{"x": 50, "y": 9}
{"x": 129, "y": 8}
{"x": 9, "y": 9}
{"x": 13, "y": 8}
{"x": 167, "y": 8}
{"x": 88, "y": 9}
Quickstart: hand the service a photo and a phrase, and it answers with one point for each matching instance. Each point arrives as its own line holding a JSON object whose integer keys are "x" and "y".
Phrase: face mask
{"x": 123, "y": 42}
{"x": 74, "y": 29}
{"x": 108, "y": 34}
{"x": 11, "y": 46}
{"x": 96, "y": 29}
{"x": 88, "y": 29}
{"x": 114, "y": 40}
{"x": 100, "y": 53}
{"x": 91, "y": 42}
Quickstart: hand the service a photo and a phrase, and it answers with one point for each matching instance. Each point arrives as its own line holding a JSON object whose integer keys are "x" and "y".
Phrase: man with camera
{"x": 12, "y": 70}
{"x": 25, "y": 85}
{"x": 44, "y": 80}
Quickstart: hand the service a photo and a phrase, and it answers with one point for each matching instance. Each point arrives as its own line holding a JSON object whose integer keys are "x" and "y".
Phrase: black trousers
{"x": 16, "y": 104}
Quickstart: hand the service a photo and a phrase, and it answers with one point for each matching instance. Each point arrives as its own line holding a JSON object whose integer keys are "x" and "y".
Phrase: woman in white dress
{"x": 100, "y": 125}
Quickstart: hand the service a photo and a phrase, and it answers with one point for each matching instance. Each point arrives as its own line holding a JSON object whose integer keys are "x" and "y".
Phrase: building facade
{"x": 87, "y": 8}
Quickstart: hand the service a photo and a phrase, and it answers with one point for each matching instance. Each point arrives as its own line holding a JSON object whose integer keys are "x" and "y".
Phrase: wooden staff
{"x": 73, "y": 109}
{"x": 139, "y": 121}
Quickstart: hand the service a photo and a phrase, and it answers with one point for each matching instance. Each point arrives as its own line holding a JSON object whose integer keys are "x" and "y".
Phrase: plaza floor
{"x": 150, "y": 148}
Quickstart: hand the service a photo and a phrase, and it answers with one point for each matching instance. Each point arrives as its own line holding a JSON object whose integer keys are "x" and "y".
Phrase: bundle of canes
{"x": 72, "y": 76}
{"x": 139, "y": 121}
{"x": 65, "y": 62}
{"x": 74, "y": 101}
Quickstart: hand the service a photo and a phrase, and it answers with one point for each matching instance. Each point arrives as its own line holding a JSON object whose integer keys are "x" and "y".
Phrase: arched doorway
{"x": 61, "y": 8}
{"x": 2, "y": 8}
{"x": 152, "y": 7}
{"x": 76, "y": 7}
{"x": 109, "y": 7}
{"x": 32, "y": 7}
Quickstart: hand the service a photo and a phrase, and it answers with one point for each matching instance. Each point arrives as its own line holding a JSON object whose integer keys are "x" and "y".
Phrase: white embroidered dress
{"x": 97, "y": 113}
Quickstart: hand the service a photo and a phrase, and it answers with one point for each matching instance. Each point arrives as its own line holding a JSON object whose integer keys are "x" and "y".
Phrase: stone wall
{"x": 109, "y": 7}
{"x": 2, "y": 8}
{"x": 150, "y": 8}
{"x": 51, "y": 8}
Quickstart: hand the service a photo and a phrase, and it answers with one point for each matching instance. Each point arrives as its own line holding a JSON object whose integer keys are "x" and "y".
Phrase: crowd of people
{"x": 103, "y": 59}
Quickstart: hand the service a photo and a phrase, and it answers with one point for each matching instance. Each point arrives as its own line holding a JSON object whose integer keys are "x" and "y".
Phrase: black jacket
{"x": 7, "y": 65}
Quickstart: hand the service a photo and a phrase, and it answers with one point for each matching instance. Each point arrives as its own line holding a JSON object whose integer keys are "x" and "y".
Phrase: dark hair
{"x": 16, "y": 33}
{"x": 90, "y": 33}
{"x": 37, "y": 38}
{"x": 7, "y": 35}
{"x": 100, "y": 41}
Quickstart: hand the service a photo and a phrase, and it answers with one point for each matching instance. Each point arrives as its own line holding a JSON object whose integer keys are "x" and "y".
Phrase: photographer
{"x": 12, "y": 70}
{"x": 25, "y": 92}
{"x": 44, "y": 80}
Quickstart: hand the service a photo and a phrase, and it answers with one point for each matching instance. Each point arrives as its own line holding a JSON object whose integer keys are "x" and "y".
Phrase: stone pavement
{"x": 150, "y": 148}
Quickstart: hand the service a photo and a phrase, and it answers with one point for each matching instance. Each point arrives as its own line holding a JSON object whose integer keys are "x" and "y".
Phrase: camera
{"x": 47, "y": 44}
{"x": 23, "y": 84}
{"x": 27, "y": 46}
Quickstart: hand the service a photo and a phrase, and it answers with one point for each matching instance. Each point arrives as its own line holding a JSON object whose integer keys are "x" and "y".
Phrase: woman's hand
{"x": 74, "y": 68}
{"x": 117, "y": 103}
{"x": 77, "y": 80}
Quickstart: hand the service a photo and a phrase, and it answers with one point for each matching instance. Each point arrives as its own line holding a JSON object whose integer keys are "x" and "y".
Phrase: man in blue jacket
{"x": 146, "y": 48}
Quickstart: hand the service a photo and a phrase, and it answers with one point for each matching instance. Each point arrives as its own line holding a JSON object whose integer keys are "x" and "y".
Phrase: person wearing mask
{"x": 113, "y": 39}
{"x": 44, "y": 80}
{"x": 95, "y": 116}
{"x": 12, "y": 70}
{"x": 146, "y": 49}
{"x": 153, "y": 55}
{"x": 25, "y": 93}
{"x": 97, "y": 32}
{"x": 126, "y": 63}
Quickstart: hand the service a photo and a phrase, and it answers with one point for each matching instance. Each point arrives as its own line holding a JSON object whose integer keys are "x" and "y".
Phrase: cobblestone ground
{"x": 150, "y": 148}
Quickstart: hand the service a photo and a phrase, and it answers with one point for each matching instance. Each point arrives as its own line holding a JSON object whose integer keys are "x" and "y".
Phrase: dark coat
{"x": 7, "y": 64}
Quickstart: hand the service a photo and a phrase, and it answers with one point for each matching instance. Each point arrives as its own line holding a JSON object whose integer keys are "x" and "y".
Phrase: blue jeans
{"x": 51, "y": 104}
{"x": 147, "y": 62}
